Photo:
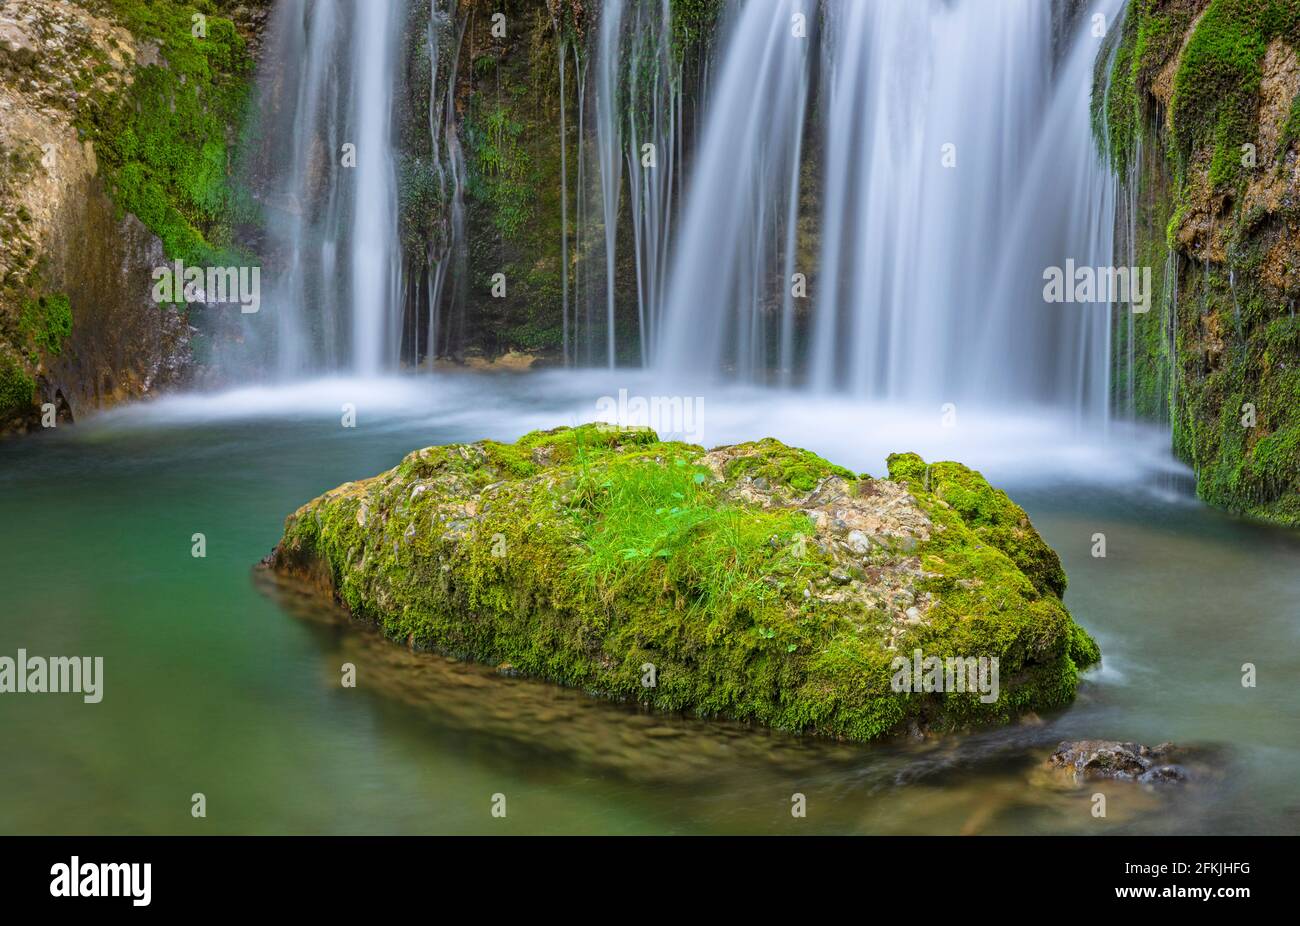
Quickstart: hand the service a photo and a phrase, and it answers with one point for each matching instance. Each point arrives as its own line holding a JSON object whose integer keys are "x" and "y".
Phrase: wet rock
{"x": 1163, "y": 773}
{"x": 1101, "y": 759}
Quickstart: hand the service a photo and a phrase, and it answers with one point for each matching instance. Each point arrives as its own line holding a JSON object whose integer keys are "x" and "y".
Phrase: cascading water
{"x": 653, "y": 135}
{"x": 743, "y": 183}
{"x": 638, "y": 110}
{"x": 376, "y": 261}
{"x": 331, "y": 226}
{"x": 610, "y": 163}
{"x": 1064, "y": 210}
{"x": 946, "y": 143}
{"x": 957, "y": 166}
{"x": 448, "y": 250}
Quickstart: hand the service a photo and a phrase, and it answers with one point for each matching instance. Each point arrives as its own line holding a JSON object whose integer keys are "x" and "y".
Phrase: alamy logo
{"x": 925, "y": 674}
{"x": 103, "y": 879}
{"x": 54, "y": 675}
{"x": 179, "y": 283}
{"x": 1104, "y": 285}
{"x": 671, "y": 417}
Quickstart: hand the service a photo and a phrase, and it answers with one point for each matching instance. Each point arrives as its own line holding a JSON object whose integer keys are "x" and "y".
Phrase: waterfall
{"x": 331, "y": 228}
{"x": 653, "y": 110}
{"x": 1169, "y": 299}
{"x": 748, "y": 156}
{"x": 562, "y": 66}
{"x": 956, "y": 166}
{"x": 607, "y": 142}
{"x": 638, "y": 105}
{"x": 448, "y": 251}
{"x": 875, "y": 190}
{"x": 376, "y": 263}
{"x": 580, "y": 65}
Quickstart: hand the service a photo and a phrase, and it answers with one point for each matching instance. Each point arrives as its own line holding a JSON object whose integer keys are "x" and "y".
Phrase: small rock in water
{"x": 1094, "y": 759}
{"x": 1163, "y": 773}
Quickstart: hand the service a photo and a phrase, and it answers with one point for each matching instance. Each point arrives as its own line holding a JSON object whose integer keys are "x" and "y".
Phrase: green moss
{"x": 500, "y": 172}
{"x": 421, "y": 208}
{"x": 1115, "y": 104}
{"x": 1245, "y": 466}
{"x": 42, "y": 327}
{"x": 1216, "y": 84}
{"x": 1152, "y": 32}
{"x": 1216, "y": 87}
{"x": 989, "y": 512}
{"x": 694, "y": 22}
{"x": 45, "y": 323}
{"x": 509, "y": 133}
{"x": 1276, "y": 460}
{"x": 585, "y": 555}
{"x": 780, "y": 465}
{"x": 1290, "y": 131}
{"x": 16, "y": 386}
{"x": 652, "y": 526}
{"x": 508, "y": 107}
{"x": 1084, "y": 650}
{"x": 163, "y": 144}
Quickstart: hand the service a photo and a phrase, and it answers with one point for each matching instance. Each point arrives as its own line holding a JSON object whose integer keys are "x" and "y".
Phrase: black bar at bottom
{"x": 335, "y": 874}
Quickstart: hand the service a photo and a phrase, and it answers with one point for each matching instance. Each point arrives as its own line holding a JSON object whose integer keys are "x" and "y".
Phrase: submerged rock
{"x": 757, "y": 582}
{"x": 1096, "y": 759}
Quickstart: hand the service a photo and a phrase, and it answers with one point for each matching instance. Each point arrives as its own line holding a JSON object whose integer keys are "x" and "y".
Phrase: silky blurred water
{"x": 223, "y": 681}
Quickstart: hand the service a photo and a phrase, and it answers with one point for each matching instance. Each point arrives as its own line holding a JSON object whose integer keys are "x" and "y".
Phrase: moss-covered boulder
{"x": 757, "y": 581}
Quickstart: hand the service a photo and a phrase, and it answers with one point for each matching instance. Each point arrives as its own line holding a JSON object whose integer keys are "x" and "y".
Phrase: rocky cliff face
{"x": 102, "y": 125}
{"x": 1201, "y": 114}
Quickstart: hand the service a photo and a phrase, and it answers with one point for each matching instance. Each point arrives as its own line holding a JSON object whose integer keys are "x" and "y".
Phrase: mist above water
{"x": 1013, "y": 446}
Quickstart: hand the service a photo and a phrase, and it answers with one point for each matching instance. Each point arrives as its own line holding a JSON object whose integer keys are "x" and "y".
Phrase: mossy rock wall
{"x": 116, "y": 160}
{"x": 1201, "y": 111}
{"x": 761, "y": 582}
{"x": 507, "y": 120}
